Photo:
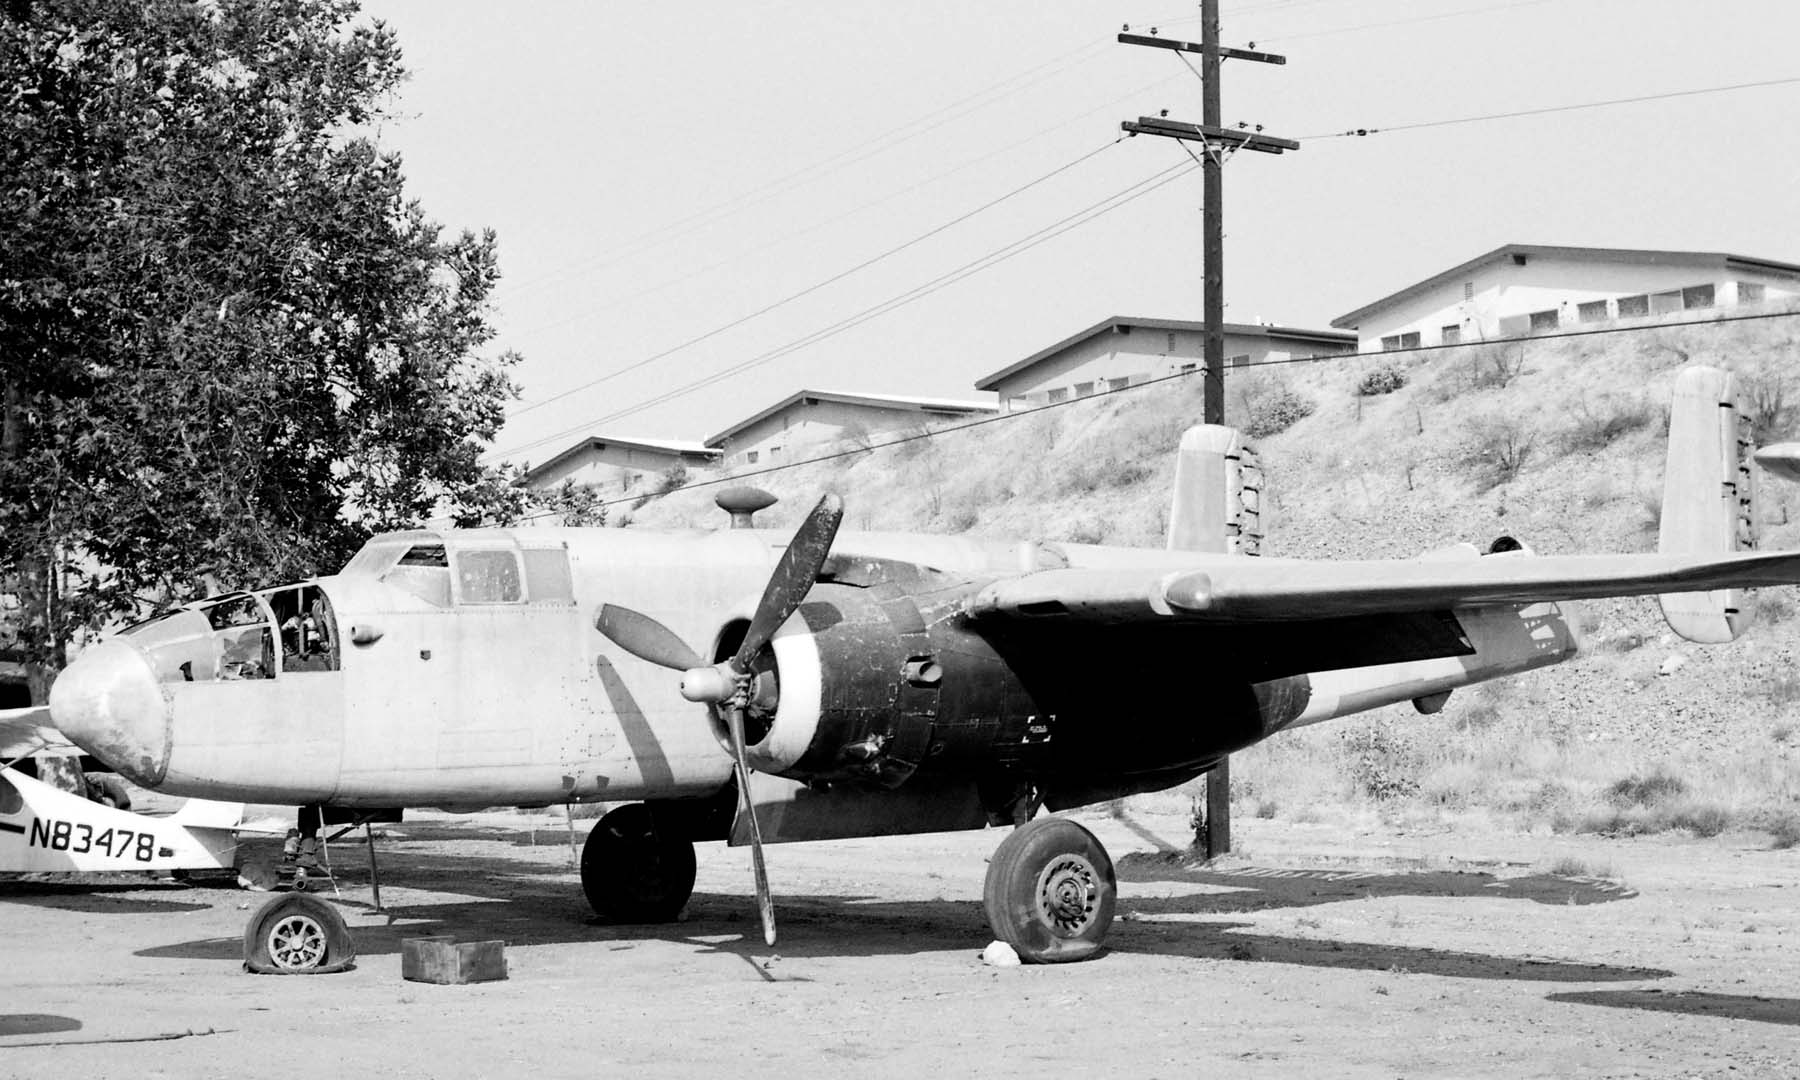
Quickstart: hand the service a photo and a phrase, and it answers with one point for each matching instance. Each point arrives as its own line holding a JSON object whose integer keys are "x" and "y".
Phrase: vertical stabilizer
{"x": 1217, "y": 502}
{"x": 1708, "y": 499}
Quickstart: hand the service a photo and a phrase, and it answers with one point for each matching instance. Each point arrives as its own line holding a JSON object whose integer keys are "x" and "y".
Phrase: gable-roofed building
{"x": 1521, "y": 289}
{"x": 619, "y": 467}
{"x": 1121, "y": 351}
{"x": 810, "y": 420}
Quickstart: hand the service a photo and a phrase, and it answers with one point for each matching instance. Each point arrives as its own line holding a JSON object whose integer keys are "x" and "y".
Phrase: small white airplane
{"x": 44, "y": 829}
{"x": 762, "y": 686}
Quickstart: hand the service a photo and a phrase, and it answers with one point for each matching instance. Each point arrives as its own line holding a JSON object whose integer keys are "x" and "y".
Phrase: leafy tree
{"x": 230, "y": 345}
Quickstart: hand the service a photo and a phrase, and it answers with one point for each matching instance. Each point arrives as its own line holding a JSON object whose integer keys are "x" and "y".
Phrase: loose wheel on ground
{"x": 296, "y": 934}
{"x": 1050, "y": 892}
{"x": 634, "y": 873}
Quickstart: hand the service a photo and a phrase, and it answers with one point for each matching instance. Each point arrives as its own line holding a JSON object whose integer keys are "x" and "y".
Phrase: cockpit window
{"x": 308, "y": 631}
{"x": 424, "y": 555}
{"x": 245, "y": 640}
{"x": 423, "y": 571}
{"x": 488, "y": 576}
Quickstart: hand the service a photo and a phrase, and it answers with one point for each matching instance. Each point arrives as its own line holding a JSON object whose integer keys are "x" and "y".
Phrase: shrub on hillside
{"x": 1595, "y": 424}
{"x": 1496, "y": 449}
{"x": 1382, "y": 380}
{"x": 1268, "y": 408}
{"x": 1764, "y": 400}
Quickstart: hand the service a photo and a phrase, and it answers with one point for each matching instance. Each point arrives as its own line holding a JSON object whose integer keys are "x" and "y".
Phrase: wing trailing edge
{"x": 1228, "y": 589}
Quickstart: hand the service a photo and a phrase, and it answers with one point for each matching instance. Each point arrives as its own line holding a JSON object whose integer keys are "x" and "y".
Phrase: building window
{"x": 773, "y": 450}
{"x": 1592, "y": 311}
{"x": 1185, "y": 368}
{"x": 1171, "y": 341}
{"x": 751, "y": 456}
{"x": 1632, "y": 306}
{"x": 1749, "y": 292}
{"x": 1450, "y": 335}
{"x": 1400, "y": 341}
{"x": 1697, "y": 296}
{"x": 1468, "y": 290}
{"x": 1664, "y": 302}
{"x": 1241, "y": 360}
{"x": 1084, "y": 389}
{"x": 1061, "y": 393}
{"x": 1544, "y": 320}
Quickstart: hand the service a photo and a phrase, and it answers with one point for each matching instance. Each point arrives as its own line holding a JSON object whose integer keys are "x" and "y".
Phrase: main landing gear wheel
{"x": 296, "y": 934}
{"x": 631, "y": 872}
{"x": 1050, "y": 892}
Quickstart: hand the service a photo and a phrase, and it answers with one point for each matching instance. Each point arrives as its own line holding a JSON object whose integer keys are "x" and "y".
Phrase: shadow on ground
{"x": 1768, "y": 1010}
{"x": 112, "y": 898}
{"x": 537, "y": 901}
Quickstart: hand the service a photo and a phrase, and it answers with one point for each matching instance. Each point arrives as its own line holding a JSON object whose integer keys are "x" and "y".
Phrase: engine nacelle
{"x": 871, "y": 687}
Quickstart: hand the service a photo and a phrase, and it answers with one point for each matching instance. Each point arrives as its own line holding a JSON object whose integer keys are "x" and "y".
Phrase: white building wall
{"x": 1112, "y": 360}
{"x": 614, "y": 470}
{"x": 801, "y": 430}
{"x": 1495, "y": 300}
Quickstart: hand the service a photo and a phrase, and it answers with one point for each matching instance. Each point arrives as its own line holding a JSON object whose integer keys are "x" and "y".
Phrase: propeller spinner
{"x": 730, "y": 685}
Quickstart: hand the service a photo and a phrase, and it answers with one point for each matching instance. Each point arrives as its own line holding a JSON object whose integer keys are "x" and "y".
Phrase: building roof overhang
{"x": 897, "y": 403}
{"x": 1637, "y": 256}
{"x": 1125, "y": 324}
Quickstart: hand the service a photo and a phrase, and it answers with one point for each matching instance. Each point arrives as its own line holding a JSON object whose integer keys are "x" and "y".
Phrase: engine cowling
{"x": 872, "y": 686}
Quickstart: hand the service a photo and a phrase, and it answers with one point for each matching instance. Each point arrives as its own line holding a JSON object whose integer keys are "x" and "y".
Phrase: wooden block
{"x": 439, "y": 959}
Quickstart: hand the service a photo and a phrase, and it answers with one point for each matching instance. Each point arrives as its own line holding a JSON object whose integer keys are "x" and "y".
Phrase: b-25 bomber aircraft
{"x": 761, "y": 686}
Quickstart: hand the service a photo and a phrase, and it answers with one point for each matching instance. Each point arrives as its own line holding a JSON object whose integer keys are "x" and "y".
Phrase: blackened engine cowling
{"x": 875, "y": 682}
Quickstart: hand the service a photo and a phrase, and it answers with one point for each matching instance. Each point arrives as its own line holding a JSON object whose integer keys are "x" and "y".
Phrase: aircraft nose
{"x": 109, "y": 703}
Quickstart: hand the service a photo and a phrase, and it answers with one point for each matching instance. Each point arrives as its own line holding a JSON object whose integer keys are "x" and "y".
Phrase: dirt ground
{"x": 1319, "y": 951}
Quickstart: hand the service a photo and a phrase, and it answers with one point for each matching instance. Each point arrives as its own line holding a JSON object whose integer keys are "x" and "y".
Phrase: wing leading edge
{"x": 1268, "y": 590}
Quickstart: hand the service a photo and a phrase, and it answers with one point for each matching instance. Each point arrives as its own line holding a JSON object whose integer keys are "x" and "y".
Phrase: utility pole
{"x": 1214, "y": 834}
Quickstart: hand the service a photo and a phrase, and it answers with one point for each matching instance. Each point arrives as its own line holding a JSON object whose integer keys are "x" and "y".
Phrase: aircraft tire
{"x": 1050, "y": 892}
{"x": 634, "y": 873}
{"x": 297, "y": 934}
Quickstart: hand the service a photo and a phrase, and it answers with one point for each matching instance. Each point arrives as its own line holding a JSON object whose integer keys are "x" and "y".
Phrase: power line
{"x": 1358, "y": 132}
{"x": 951, "y": 429}
{"x": 991, "y": 259}
{"x": 816, "y": 226}
{"x": 816, "y": 286}
{"x": 860, "y": 152}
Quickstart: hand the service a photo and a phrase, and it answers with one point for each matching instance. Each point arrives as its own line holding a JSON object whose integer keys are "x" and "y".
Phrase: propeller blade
{"x": 794, "y": 574}
{"x": 645, "y": 638}
{"x": 765, "y": 903}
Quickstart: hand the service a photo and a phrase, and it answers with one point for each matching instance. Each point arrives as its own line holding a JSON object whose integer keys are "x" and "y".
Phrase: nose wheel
{"x": 297, "y": 934}
{"x": 1050, "y": 892}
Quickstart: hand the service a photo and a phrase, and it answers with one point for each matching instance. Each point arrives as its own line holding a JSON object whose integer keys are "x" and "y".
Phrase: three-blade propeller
{"x": 730, "y": 685}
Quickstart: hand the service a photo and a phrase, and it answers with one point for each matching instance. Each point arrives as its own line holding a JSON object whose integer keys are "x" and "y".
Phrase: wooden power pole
{"x": 1214, "y": 140}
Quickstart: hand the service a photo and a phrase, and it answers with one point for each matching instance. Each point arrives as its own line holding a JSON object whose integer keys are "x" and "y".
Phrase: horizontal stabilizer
{"x": 1708, "y": 499}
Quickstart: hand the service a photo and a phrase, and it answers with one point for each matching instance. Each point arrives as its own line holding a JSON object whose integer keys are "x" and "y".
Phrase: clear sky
{"x": 685, "y": 188}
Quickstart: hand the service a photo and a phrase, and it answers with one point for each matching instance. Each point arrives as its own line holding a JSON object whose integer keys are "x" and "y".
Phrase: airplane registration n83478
{"x": 761, "y": 686}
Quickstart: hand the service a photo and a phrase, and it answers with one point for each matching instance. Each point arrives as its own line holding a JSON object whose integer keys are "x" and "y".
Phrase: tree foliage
{"x": 229, "y": 343}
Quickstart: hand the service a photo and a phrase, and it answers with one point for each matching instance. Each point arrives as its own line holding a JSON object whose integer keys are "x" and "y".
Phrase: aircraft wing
{"x": 28, "y": 731}
{"x": 1239, "y": 589}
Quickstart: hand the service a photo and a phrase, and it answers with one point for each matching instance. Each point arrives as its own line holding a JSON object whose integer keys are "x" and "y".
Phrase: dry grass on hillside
{"x": 1558, "y": 442}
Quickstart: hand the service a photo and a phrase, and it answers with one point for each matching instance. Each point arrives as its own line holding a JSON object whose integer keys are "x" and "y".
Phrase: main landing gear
{"x": 1050, "y": 892}
{"x": 1050, "y": 887}
{"x": 634, "y": 873}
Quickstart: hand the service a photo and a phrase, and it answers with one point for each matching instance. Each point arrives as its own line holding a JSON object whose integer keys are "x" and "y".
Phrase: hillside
{"x": 1557, "y": 441}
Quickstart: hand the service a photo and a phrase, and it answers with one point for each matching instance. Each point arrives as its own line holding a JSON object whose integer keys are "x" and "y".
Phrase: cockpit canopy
{"x": 242, "y": 636}
{"x": 481, "y": 567}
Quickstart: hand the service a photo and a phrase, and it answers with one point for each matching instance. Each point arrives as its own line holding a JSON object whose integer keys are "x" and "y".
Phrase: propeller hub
{"x": 712, "y": 685}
